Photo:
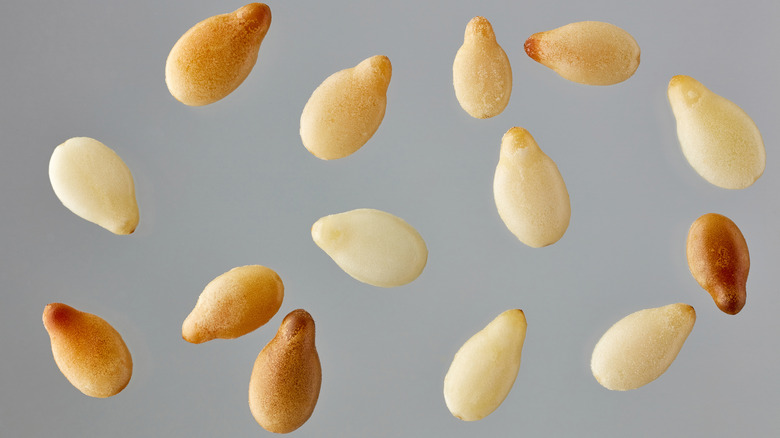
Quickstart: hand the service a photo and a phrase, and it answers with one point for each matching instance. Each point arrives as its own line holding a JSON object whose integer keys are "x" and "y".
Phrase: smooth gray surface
{"x": 230, "y": 184}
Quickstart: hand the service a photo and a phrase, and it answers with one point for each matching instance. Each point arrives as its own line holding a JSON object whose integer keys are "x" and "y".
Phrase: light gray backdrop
{"x": 230, "y": 184}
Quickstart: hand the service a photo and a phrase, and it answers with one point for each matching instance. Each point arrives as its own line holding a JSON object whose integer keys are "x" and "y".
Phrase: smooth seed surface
{"x": 88, "y": 351}
{"x": 587, "y": 52}
{"x": 719, "y": 140}
{"x": 481, "y": 73}
{"x": 372, "y": 246}
{"x": 529, "y": 191}
{"x": 345, "y": 111}
{"x": 215, "y": 56}
{"x": 640, "y": 347}
{"x": 234, "y": 304}
{"x": 485, "y": 367}
{"x": 94, "y": 183}
{"x": 719, "y": 260}
{"x": 286, "y": 378}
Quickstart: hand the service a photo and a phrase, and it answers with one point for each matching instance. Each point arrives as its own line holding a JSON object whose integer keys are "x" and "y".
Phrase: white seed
{"x": 94, "y": 183}
{"x": 345, "y": 111}
{"x": 485, "y": 367}
{"x": 481, "y": 73}
{"x": 640, "y": 347}
{"x": 718, "y": 138}
{"x": 530, "y": 194}
{"x": 372, "y": 246}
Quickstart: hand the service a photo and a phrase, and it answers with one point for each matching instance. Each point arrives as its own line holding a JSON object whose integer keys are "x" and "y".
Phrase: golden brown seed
{"x": 234, "y": 304}
{"x": 719, "y": 260}
{"x": 640, "y": 347}
{"x": 345, "y": 111}
{"x": 530, "y": 194}
{"x": 481, "y": 73}
{"x": 88, "y": 351}
{"x": 93, "y": 182}
{"x": 719, "y": 140}
{"x": 588, "y": 52}
{"x": 215, "y": 56}
{"x": 286, "y": 378}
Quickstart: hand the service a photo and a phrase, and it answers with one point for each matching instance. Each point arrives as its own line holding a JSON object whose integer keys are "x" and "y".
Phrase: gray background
{"x": 230, "y": 184}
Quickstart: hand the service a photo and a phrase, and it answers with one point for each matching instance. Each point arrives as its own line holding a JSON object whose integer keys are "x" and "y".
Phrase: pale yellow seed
{"x": 94, "y": 183}
{"x": 214, "y": 57}
{"x": 640, "y": 347}
{"x": 588, "y": 52}
{"x": 485, "y": 367}
{"x": 719, "y": 140}
{"x": 234, "y": 304}
{"x": 346, "y": 110}
{"x": 529, "y": 191}
{"x": 481, "y": 73}
{"x": 372, "y": 246}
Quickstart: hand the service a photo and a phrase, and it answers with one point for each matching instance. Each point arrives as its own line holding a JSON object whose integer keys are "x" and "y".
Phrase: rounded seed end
{"x": 479, "y": 27}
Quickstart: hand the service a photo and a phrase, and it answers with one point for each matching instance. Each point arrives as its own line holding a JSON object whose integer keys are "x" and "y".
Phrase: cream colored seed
{"x": 372, "y": 246}
{"x": 88, "y": 351}
{"x": 94, "y": 183}
{"x": 481, "y": 72}
{"x": 718, "y": 138}
{"x": 485, "y": 367}
{"x": 234, "y": 304}
{"x": 640, "y": 347}
{"x": 215, "y": 56}
{"x": 588, "y": 52}
{"x": 529, "y": 191}
{"x": 345, "y": 111}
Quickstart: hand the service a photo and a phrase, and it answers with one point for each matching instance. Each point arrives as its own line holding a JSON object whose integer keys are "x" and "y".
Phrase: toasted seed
{"x": 640, "y": 347}
{"x": 588, "y": 52}
{"x": 234, "y": 304}
{"x": 719, "y": 260}
{"x": 485, "y": 367}
{"x": 94, "y": 183}
{"x": 88, "y": 351}
{"x": 215, "y": 56}
{"x": 481, "y": 73}
{"x": 286, "y": 378}
{"x": 345, "y": 111}
{"x": 719, "y": 140}
{"x": 372, "y": 246}
{"x": 529, "y": 191}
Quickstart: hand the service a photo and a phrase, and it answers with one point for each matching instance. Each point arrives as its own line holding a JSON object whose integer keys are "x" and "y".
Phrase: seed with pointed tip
{"x": 719, "y": 140}
{"x": 372, "y": 246}
{"x": 588, "y": 52}
{"x": 529, "y": 191}
{"x": 88, "y": 351}
{"x": 345, "y": 111}
{"x": 485, "y": 367}
{"x": 481, "y": 73}
{"x": 287, "y": 376}
{"x": 215, "y": 56}
{"x": 640, "y": 347}
{"x": 234, "y": 304}
{"x": 719, "y": 260}
{"x": 94, "y": 183}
